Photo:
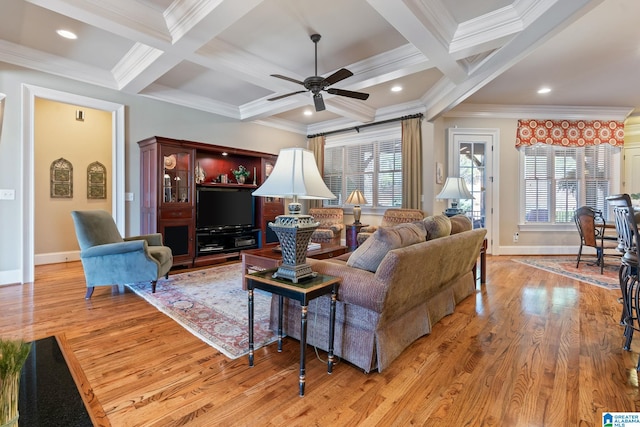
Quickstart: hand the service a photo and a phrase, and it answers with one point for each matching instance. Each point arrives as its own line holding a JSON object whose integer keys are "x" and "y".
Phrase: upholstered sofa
{"x": 383, "y": 308}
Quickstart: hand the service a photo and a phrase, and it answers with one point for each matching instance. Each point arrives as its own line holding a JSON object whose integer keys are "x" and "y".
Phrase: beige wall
{"x": 58, "y": 134}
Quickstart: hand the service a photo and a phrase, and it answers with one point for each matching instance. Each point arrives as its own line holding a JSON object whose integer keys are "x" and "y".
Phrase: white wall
{"x": 144, "y": 117}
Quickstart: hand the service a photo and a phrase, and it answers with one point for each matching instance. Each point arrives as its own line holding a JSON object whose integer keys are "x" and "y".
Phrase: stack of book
{"x": 313, "y": 246}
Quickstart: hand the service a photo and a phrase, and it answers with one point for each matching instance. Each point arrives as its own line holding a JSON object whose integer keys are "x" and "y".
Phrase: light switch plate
{"x": 7, "y": 194}
{"x": 128, "y": 197}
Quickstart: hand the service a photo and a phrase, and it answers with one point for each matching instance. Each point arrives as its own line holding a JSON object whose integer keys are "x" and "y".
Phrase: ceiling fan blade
{"x": 319, "y": 102}
{"x": 275, "y": 98}
{"x": 339, "y": 75}
{"x": 348, "y": 93}
{"x": 280, "y": 76}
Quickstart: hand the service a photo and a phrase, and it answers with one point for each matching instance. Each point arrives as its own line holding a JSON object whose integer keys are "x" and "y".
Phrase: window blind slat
{"x": 579, "y": 176}
{"x": 373, "y": 166}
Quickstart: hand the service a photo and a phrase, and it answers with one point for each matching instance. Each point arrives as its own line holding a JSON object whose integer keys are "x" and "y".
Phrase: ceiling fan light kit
{"x": 316, "y": 84}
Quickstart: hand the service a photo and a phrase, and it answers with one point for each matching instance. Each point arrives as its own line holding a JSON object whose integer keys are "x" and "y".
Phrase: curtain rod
{"x": 357, "y": 128}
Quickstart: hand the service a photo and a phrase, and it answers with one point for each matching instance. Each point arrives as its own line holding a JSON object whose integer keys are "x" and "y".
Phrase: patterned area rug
{"x": 587, "y": 272}
{"x": 211, "y": 305}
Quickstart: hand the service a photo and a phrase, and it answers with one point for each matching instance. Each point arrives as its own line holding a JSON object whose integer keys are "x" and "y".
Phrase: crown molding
{"x": 47, "y": 63}
{"x": 555, "y": 112}
{"x": 281, "y": 124}
{"x": 197, "y": 102}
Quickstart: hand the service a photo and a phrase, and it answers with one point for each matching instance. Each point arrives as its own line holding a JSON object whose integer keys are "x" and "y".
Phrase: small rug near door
{"x": 211, "y": 304}
{"x": 587, "y": 272}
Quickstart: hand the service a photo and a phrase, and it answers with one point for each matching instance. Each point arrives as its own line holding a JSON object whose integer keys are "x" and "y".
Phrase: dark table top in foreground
{"x": 48, "y": 395}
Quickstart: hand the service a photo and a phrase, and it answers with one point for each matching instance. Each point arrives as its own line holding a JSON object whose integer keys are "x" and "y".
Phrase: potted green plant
{"x": 241, "y": 174}
{"x": 13, "y": 354}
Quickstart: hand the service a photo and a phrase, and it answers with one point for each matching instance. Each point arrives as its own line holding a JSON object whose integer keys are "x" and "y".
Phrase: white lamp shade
{"x": 356, "y": 198}
{"x": 295, "y": 175}
{"x": 454, "y": 188}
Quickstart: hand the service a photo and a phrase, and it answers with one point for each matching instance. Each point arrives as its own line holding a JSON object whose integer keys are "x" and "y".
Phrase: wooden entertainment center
{"x": 174, "y": 173}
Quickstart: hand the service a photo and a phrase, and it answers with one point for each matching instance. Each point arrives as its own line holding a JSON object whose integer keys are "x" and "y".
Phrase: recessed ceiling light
{"x": 67, "y": 34}
{"x": 544, "y": 90}
{"x": 307, "y": 112}
{"x": 396, "y": 88}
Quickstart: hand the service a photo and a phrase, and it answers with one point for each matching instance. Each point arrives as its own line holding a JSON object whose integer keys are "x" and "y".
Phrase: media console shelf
{"x": 173, "y": 173}
{"x": 216, "y": 244}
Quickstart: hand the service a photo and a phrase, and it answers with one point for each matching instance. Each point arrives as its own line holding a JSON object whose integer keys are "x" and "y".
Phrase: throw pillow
{"x": 437, "y": 226}
{"x": 370, "y": 253}
{"x": 460, "y": 223}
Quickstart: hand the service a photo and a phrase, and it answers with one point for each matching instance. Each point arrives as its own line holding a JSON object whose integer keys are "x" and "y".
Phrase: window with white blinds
{"x": 557, "y": 180}
{"x": 371, "y": 163}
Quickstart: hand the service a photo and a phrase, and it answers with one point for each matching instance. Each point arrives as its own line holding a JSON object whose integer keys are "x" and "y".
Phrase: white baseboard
{"x": 10, "y": 277}
{"x": 56, "y": 257}
{"x": 537, "y": 250}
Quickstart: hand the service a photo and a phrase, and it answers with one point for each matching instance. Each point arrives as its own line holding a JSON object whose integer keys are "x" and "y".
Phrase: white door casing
{"x": 485, "y": 141}
{"x": 29, "y": 94}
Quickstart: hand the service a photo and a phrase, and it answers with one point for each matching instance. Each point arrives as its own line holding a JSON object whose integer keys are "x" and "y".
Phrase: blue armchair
{"x": 108, "y": 259}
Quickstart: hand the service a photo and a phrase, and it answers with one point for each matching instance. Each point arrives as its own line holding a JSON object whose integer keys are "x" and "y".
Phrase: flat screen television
{"x": 224, "y": 208}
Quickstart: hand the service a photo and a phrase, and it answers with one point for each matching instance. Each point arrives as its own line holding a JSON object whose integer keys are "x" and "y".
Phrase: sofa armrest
{"x": 358, "y": 287}
{"x": 369, "y": 229}
{"x": 154, "y": 239}
{"x": 337, "y": 228}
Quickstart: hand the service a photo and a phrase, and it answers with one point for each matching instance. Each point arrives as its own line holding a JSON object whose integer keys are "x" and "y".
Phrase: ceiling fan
{"x": 315, "y": 84}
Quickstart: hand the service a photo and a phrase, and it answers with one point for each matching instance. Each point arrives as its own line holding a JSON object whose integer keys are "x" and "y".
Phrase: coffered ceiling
{"x": 447, "y": 55}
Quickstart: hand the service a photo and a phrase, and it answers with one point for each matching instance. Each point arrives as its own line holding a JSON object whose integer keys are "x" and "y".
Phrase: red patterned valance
{"x": 570, "y": 133}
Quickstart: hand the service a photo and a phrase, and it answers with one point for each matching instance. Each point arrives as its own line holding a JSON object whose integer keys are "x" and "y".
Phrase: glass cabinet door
{"x": 176, "y": 183}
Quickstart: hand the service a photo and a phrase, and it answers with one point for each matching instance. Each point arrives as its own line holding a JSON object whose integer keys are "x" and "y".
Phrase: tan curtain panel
{"x": 411, "y": 164}
{"x": 316, "y": 145}
{"x": 570, "y": 133}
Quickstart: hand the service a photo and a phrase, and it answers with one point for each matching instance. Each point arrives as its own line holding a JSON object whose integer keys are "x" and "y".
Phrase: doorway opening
{"x": 29, "y": 95}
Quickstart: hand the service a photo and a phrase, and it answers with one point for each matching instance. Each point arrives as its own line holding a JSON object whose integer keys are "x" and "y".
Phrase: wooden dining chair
{"x": 591, "y": 227}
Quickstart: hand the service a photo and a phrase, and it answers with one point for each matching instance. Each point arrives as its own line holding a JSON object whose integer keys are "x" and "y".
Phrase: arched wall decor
{"x": 96, "y": 181}
{"x": 61, "y": 179}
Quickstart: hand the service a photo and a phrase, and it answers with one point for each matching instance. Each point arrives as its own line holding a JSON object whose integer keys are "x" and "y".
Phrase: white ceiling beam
{"x": 133, "y": 20}
{"x": 411, "y": 24}
{"x": 554, "y": 19}
{"x": 350, "y": 108}
{"x": 201, "y": 21}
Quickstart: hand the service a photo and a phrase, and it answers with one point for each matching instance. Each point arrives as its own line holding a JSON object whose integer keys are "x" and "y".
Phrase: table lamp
{"x": 296, "y": 176}
{"x": 456, "y": 189}
{"x": 356, "y": 198}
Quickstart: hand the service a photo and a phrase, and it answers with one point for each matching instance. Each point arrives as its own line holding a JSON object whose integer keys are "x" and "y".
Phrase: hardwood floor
{"x": 529, "y": 349}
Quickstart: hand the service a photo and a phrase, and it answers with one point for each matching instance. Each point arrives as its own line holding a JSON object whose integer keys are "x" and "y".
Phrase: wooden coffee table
{"x": 270, "y": 257}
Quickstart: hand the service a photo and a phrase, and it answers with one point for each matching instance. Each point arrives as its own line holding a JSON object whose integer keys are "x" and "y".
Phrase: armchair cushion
{"x": 369, "y": 255}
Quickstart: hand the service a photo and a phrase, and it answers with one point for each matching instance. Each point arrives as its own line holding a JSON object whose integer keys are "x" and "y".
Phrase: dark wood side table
{"x": 483, "y": 264}
{"x": 352, "y": 231}
{"x": 270, "y": 257}
{"x": 303, "y": 291}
